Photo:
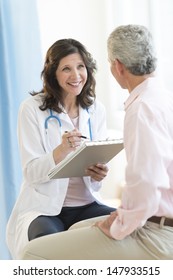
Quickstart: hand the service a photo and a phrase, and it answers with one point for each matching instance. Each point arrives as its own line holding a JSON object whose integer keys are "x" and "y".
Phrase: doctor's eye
{"x": 80, "y": 66}
{"x": 66, "y": 69}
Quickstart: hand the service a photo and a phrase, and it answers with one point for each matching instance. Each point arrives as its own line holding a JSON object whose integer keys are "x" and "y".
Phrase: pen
{"x": 82, "y": 136}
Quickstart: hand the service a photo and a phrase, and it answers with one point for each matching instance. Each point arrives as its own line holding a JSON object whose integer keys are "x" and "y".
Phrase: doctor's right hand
{"x": 70, "y": 141}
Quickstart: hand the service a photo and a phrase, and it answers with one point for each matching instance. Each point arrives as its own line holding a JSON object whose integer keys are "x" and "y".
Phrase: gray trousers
{"x": 83, "y": 241}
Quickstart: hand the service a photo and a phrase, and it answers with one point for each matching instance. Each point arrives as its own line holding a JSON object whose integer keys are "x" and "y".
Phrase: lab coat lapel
{"x": 84, "y": 116}
{"x": 66, "y": 122}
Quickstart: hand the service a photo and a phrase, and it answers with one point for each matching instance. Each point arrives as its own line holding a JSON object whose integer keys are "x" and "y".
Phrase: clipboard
{"x": 89, "y": 153}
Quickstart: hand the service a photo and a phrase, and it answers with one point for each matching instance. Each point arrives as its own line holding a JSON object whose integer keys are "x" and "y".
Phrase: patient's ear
{"x": 119, "y": 67}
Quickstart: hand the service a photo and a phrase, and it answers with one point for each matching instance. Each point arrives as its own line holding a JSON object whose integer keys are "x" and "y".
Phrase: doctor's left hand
{"x": 97, "y": 172}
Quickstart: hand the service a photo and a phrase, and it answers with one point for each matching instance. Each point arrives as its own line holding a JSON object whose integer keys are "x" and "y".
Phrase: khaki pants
{"x": 83, "y": 241}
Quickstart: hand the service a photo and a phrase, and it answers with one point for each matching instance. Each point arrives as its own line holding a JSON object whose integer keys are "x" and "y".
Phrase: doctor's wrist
{"x": 59, "y": 153}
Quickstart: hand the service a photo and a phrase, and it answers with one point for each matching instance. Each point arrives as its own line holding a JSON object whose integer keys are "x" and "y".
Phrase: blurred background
{"x": 27, "y": 29}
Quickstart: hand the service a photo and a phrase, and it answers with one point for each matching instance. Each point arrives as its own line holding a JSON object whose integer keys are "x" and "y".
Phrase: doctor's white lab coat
{"x": 39, "y": 195}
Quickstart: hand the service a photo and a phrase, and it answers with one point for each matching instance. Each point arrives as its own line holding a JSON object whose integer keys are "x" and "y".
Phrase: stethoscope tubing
{"x": 60, "y": 123}
{"x": 51, "y": 117}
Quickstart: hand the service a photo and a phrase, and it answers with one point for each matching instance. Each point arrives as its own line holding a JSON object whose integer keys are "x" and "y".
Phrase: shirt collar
{"x": 136, "y": 92}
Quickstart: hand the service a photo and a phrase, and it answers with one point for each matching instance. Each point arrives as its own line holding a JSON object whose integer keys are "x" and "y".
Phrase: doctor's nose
{"x": 75, "y": 73}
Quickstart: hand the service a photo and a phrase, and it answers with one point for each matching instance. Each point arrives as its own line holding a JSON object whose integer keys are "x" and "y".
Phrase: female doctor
{"x": 52, "y": 124}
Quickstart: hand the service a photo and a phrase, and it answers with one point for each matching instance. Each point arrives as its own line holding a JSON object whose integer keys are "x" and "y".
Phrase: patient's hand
{"x": 105, "y": 224}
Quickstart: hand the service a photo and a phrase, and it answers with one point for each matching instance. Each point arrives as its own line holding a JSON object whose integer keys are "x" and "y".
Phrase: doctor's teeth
{"x": 74, "y": 84}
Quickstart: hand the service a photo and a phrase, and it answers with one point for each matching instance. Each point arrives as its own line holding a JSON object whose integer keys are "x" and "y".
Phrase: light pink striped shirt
{"x": 148, "y": 141}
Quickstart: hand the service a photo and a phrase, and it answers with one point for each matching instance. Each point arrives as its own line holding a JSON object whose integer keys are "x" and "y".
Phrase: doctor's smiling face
{"x": 71, "y": 74}
{"x": 68, "y": 75}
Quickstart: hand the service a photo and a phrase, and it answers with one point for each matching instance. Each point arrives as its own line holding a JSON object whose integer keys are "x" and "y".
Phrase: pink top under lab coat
{"x": 148, "y": 141}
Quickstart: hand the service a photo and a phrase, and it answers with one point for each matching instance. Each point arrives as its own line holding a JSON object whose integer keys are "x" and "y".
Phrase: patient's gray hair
{"x": 133, "y": 46}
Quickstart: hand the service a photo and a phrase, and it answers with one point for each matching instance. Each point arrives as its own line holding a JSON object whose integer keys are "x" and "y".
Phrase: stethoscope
{"x": 60, "y": 123}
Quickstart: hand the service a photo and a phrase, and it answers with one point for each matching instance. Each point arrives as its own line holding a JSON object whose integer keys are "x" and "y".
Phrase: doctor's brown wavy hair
{"x": 53, "y": 97}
